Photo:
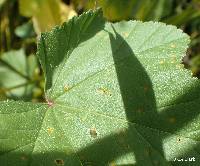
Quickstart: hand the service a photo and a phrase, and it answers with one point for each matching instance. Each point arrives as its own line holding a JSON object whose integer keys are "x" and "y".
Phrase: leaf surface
{"x": 16, "y": 72}
{"x": 116, "y": 95}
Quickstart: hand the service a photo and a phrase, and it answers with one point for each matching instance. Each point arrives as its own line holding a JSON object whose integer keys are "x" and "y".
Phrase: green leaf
{"x": 1, "y": 3}
{"x": 25, "y": 30}
{"x": 116, "y": 95}
{"x": 16, "y": 72}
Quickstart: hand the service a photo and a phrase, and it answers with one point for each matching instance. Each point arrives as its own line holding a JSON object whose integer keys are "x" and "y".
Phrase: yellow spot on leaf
{"x": 179, "y": 66}
{"x": 161, "y": 62}
{"x": 66, "y": 88}
{"x": 173, "y": 60}
{"x": 50, "y": 130}
{"x": 173, "y": 45}
{"x": 125, "y": 34}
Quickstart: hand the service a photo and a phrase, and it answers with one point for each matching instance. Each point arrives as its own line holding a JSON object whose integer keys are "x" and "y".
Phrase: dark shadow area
{"x": 175, "y": 117}
{"x": 140, "y": 138}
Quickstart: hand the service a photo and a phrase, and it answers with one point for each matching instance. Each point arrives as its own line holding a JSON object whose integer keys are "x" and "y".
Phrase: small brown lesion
{"x": 178, "y": 140}
{"x": 93, "y": 132}
{"x": 59, "y": 162}
{"x": 104, "y": 91}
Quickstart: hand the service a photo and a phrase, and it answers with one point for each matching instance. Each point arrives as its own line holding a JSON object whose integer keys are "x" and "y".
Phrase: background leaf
{"x": 16, "y": 73}
{"x": 43, "y": 9}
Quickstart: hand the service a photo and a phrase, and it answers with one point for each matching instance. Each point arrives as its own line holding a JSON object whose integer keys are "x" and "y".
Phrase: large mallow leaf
{"x": 116, "y": 94}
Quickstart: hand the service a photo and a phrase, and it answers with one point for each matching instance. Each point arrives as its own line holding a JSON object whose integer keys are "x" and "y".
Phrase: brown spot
{"x": 93, "y": 132}
{"x": 50, "y": 130}
{"x": 59, "y": 162}
{"x": 104, "y": 91}
{"x": 178, "y": 140}
{"x": 172, "y": 120}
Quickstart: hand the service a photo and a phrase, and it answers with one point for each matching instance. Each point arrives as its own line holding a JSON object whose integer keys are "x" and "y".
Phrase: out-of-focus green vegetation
{"x": 21, "y": 22}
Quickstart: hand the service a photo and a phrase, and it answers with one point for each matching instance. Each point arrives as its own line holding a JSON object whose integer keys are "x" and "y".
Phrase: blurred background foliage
{"x": 22, "y": 21}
